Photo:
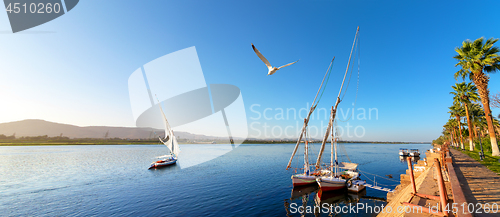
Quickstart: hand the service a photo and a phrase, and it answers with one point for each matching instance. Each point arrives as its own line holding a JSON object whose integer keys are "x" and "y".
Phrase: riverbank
{"x": 91, "y": 143}
{"x": 154, "y": 142}
{"x": 66, "y": 143}
{"x": 469, "y": 186}
{"x": 489, "y": 161}
{"x": 479, "y": 184}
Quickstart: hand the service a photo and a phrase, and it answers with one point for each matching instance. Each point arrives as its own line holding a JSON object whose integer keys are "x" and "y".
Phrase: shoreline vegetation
{"x": 60, "y": 140}
{"x": 472, "y": 128}
{"x": 490, "y": 162}
{"x": 471, "y": 124}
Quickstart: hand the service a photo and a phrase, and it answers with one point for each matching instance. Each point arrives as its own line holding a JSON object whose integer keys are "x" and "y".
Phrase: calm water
{"x": 114, "y": 180}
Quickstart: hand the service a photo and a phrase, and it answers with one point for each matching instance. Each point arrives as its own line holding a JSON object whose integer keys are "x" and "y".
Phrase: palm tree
{"x": 450, "y": 128}
{"x": 464, "y": 93}
{"x": 477, "y": 115}
{"x": 475, "y": 58}
{"x": 454, "y": 125}
{"x": 457, "y": 111}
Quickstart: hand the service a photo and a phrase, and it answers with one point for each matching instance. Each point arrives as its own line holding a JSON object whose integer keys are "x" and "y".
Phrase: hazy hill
{"x": 40, "y": 127}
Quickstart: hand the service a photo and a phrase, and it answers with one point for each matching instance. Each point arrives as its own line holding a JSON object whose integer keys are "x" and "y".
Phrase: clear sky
{"x": 75, "y": 68}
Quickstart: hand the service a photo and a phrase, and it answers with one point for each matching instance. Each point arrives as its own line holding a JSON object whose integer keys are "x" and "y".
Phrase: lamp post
{"x": 481, "y": 154}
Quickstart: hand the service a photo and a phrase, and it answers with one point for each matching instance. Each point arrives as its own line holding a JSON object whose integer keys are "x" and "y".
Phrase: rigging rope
{"x": 350, "y": 75}
{"x": 358, "y": 51}
{"x": 380, "y": 183}
{"x": 345, "y": 152}
{"x": 378, "y": 176}
{"x": 327, "y": 79}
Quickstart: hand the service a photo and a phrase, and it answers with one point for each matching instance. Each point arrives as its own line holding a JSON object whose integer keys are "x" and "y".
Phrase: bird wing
{"x": 287, "y": 64}
{"x": 262, "y": 57}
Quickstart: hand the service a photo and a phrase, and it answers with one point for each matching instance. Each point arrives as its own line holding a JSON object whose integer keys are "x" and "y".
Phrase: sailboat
{"x": 307, "y": 178}
{"x": 334, "y": 180}
{"x": 171, "y": 142}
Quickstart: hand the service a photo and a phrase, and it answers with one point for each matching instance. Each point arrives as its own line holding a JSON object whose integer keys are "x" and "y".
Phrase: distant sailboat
{"x": 171, "y": 142}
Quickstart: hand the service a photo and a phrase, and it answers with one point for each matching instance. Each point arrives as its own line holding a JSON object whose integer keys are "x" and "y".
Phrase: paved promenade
{"x": 479, "y": 184}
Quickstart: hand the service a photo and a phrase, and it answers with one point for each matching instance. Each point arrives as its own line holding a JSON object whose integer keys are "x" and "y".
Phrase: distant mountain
{"x": 33, "y": 127}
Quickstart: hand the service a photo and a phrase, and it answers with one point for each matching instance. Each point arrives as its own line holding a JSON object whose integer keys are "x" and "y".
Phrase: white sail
{"x": 169, "y": 140}
{"x": 175, "y": 146}
{"x": 165, "y": 122}
{"x": 167, "y": 143}
{"x": 348, "y": 166}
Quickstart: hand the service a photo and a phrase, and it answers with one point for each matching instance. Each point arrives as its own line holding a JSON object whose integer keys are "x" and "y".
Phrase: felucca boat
{"x": 307, "y": 177}
{"x": 171, "y": 142}
{"x": 336, "y": 180}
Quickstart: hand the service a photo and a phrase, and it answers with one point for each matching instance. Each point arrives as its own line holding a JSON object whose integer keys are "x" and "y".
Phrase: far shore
{"x": 183, "y": 143}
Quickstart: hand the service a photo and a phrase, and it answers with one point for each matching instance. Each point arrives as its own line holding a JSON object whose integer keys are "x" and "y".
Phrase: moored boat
{"x": 303, "y": 179}
{"x": 330, "y": 183}
{"x": 414, "y": 153}
{"x": 403, "y": 152}
{"x": 307, "y": 177}
{"x": 337, "y": 179}
{"x": 356, "y": 185}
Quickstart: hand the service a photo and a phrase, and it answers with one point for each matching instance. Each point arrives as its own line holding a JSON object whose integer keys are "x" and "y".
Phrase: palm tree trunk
{"x": 491, "y": 130}
{"x": 475, "y": 130}
{"x": 452, "y": 134}
{"x": 460, "y": 131}
{"x": 471, "y": 146}
{"x": 481, "y": 82}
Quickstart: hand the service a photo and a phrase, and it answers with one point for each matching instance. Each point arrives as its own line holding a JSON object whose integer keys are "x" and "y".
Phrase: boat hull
{"x": 302, "y": 180}
{"x": 163, "y": 164}
{"x": 331, "y": 184}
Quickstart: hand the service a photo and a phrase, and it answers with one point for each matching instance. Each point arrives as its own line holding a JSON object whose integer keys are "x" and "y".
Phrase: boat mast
{"x": 331, "y": 157}
{"x": 306, "y": 120}
{"x": 306, "y": 158}
{"x": 334, "y": 109}
{"x": 336, "y": 161}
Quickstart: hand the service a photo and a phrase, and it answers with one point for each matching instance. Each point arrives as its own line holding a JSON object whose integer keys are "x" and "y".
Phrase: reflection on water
{"x": 323, "y": 203}
{"x": 335, "y": 197}
{"x": 303, "y": 190}
{"x": 403, "y": 159}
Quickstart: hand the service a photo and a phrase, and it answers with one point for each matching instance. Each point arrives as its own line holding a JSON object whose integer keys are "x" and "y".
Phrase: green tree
{"x": 475, "y": 58}
{"x": 448, "y": 130}
{"x": 457, "y": 111}
{"x": 464, "y": 94}
{"x": 477, "y": 116}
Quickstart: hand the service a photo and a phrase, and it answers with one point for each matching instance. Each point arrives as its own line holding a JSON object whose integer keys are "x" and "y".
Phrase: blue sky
{"x": 75, "y": 68}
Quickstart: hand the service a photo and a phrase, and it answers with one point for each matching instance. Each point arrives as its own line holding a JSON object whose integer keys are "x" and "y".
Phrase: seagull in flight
{"x": 272, "y": 70}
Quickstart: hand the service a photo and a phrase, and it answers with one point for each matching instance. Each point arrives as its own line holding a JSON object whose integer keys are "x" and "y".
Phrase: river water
{"x": 249, "y": 180}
